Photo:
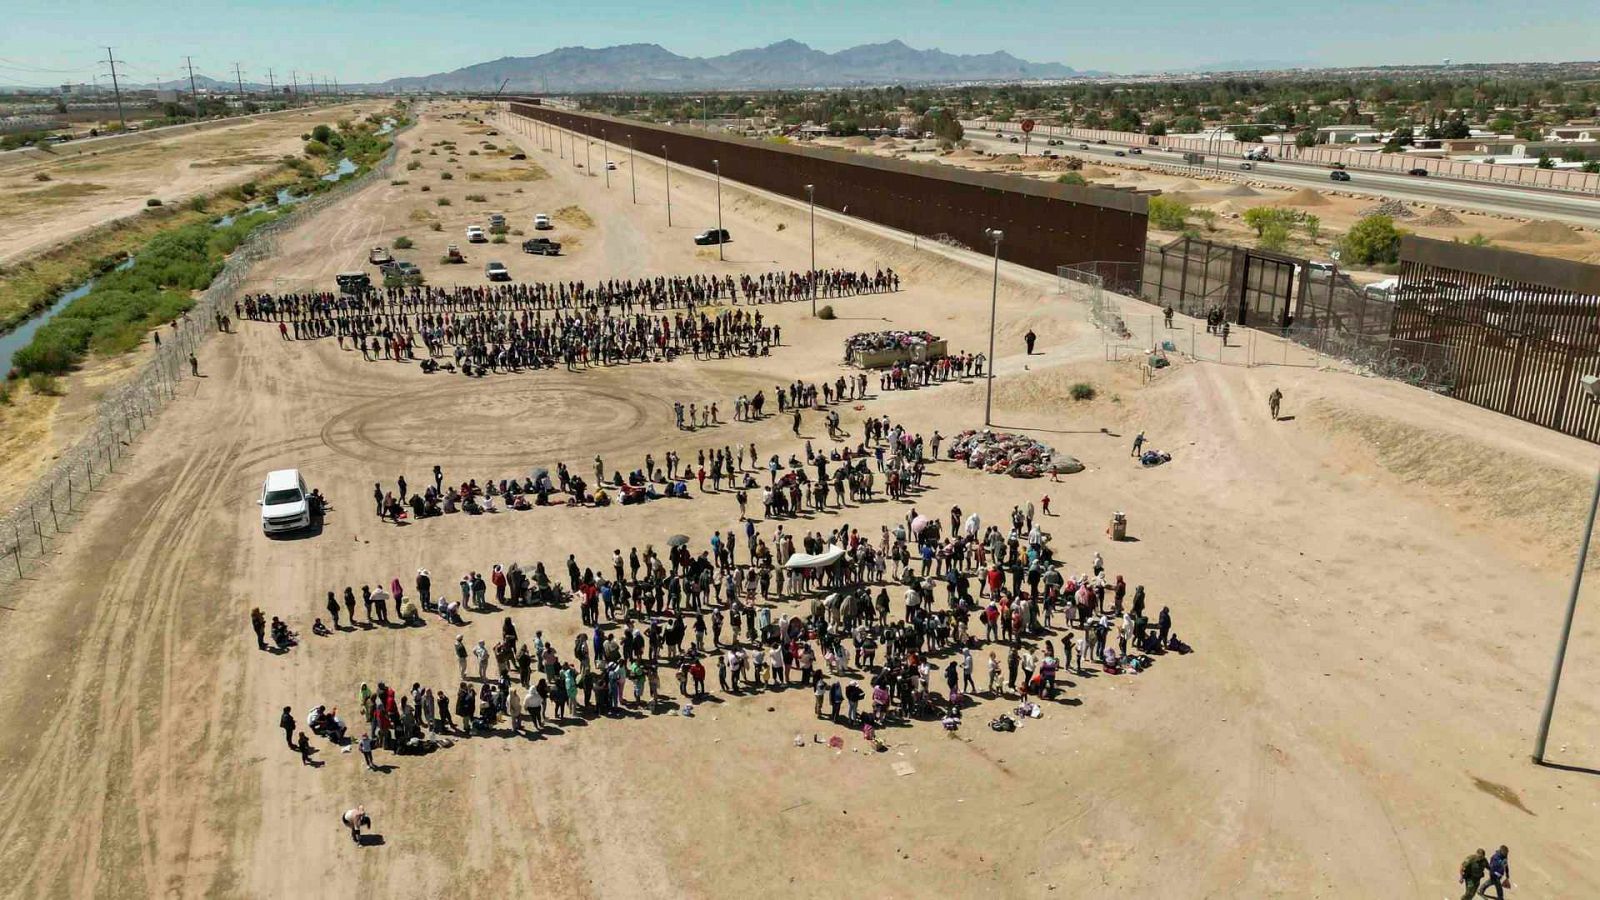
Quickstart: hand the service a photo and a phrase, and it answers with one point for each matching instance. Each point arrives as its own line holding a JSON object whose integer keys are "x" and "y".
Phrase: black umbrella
{"x": 677, "y": 540}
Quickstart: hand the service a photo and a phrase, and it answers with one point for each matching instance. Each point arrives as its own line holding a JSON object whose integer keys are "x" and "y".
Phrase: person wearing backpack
{"x": 1472, "y": 872}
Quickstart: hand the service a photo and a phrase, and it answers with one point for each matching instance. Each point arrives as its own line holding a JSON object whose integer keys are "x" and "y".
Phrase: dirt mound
{"x": 858, "y": 141}
{"x": 1305, "y": 197}
{"x": 1187, "y": 198}
{"x": 964, "y": 153}
{"x": 1095, "y": 172}
{"x": 1005, "y": 159}
{"x": 1131, "y": 177}
{"x": 1189, "y": 184}
{"x": 1394, "y": 209}
{"x": 1542, "y": 231}
{"x": 1240, "y": 190}
{"x": 1440, "y": 218}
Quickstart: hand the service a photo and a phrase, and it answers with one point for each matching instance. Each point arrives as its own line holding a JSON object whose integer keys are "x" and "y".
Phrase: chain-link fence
{"x": 28, "y": 530}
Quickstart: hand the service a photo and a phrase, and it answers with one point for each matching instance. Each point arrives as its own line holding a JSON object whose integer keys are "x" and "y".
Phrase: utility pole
{"x": 666, "y": 162}
{"x": 295, "y": 76}
{"x": 194, "y": 92}
{"x": 605, "y": 153}
{"x": 116, "y": 88}
{"x": 811, "y": 196}
{"x": 632, "y": 180}
{"x": 272, "y": 86}
{"x": 717, "y": 164}
{"x": 995, "y": 235}
{"x": 238, "y": 79}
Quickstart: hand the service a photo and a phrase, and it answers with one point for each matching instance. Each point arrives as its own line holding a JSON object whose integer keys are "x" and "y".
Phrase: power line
{"x": 194, "y": 93}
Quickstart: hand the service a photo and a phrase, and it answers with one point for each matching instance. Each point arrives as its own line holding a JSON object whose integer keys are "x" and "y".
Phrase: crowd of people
{"x": 811, "y": 608}
{"x": 510, "y": 327}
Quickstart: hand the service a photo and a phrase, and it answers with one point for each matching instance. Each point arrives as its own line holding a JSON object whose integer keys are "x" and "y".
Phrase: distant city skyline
{"x": 365, "y": 41}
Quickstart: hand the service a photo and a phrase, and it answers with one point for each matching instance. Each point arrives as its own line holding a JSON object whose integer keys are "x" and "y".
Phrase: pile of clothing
{"x": 872, "y": 341}
{"x": 1003, "y": 453}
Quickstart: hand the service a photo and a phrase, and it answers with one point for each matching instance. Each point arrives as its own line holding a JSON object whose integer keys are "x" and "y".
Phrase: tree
{"x": 1247, "y": 134}
{"x": 1592, "y": 167}
{"x": 1307, "y": 138}
{"x": 1188, "y": 124}
{"x": 1167, "y": 214}
{"x": 1373, "y": 240}
{"x": 322, "y": 133}
{"x": 1275, "y": 236}
{"x": 1157, "y": 128}
{"x": 1545, "y": 162}
{"x": 1259, "y": 217}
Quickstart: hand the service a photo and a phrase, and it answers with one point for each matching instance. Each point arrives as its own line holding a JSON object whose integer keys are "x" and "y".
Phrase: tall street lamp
{"x": 811, "y": 195}
{"x": 633, "y": 181}
{"x": 717, "y": 165}
{"x": 1591, "y": 387}
{"x": 666, "y": 162}
{"x": 995, "y": 235}
{"x": 605, "y": 153}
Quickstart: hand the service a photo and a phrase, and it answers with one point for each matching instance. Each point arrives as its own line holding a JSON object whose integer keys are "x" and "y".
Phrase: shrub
{"x": 1083, "y": 390}
{"x": 518, "y": 232}
{"x": 426, "y": 188}
{"x": 1072, "y": 178}
{"x": 152, "y": 202}
{"x": 5, "y": 393}
{"x": 436, "y": 227}
{"x": 1259, "y": 217}
{"x": 413, "y": 166}
{"x": 1168, "y": 214}
{"x": 444, "y": 201}
{"x": 316, "y": 148}
{"x": 397, "y": 182}
{"x": 403, "y": 243}
{"x": 1313, "y": 226}
{"x": 45, "y": 384}
{"x": 477, "y": 198}
{"x": 198, "y": 204}
{"x": 1372, "y": 240}
{"x": 1275, "y": 236}
{"x": 472, "y": 153}
{"x": 826, "y": 312}
{"x": 445, "y": 176}
{"x": 42, "y": 176}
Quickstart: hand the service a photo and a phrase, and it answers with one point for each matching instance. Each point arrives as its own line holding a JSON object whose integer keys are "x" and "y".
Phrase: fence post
{"x": 16, "y": 556}
{"x": 53, "y": 517}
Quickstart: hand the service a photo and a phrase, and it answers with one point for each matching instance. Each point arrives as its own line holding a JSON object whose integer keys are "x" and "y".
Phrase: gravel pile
{"x": 1394, "y": 209}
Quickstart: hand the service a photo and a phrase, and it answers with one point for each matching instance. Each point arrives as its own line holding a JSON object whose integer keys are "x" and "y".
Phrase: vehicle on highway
{"x": 519, "y": 156}
{"x": 1247, "y": 166}
{"x": 999, "y": 134}
{"x": 475, "y": 235}
{"x": 1339, "y": 175}
{"x": 380, "y": 257}
{"x": 285, "y": 503}
{"x": 541, "y": 246}
{"x": 1048, "y": 154}
{"x": 542, "y": 222}
{"x": 1083, "y": 146}
{"x": 353, "y": 282}
{"x": 713, "y": 236}
{"x": 1012, "y": 140}
{"x": 1258, "y": 154}
{"x": 496, "y": 271}
{"x": 1121, "y": 153}
{"x": 611, "y": 166}
{"x": 1101, "y": 141}
{"x": 452, "y": 254}
{"x": 1194, "y": 159}
{"x": 1337, "y": 165}
{"x": 1418, "y": 171}
{"x": 1135, "y": 151}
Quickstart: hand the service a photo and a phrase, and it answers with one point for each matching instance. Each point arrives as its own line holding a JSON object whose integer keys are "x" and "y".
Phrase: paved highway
{"x": 1577, "y": 209}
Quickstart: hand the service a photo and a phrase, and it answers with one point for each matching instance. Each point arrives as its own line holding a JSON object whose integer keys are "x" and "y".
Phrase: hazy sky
{"x": 359, "y": 40}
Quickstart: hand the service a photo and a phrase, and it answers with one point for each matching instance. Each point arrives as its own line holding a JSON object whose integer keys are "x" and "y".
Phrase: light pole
{"x": 717, "y": 165}
{"x": 1591, "y": 386}
{"x": 633, "y": 181}
{"x": 995, "y": 235}
{"x": 811, "y": 195}
{"x": 560, "y": 150}
{"x": 666, "y": 162}
{"x": 605, "y": 153}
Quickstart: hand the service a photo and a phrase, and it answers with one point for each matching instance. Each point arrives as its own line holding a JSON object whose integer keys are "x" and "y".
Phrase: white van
{"x": 284, "y": 504}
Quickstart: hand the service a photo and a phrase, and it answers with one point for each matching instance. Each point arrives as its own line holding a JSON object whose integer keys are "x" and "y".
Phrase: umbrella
{"x": 540, "y": 472}
{"x": 919, "y": 523}
{"x": 677, "y": 540}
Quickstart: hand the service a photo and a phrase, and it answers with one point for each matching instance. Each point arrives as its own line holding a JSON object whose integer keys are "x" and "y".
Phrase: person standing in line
{"x": 438, "y": 480}
{"x": 401, "y": 481}
{"x": 333, "y": 609}
{"x": 377, "y": 498}
{"x": 461, "y": 656}
{"x": 286, "y": 722}
{"x": 194, "y": 366}
{"x": 1472, "y": 872}
{"x": 258, "y": 623}
{"x": 797, "y": 422}
{"x": 482, "y": 653}
{"x": 303, "y": 744}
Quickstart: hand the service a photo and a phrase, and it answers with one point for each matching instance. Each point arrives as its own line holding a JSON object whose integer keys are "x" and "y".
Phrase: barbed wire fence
{"x": 55, "y": 499}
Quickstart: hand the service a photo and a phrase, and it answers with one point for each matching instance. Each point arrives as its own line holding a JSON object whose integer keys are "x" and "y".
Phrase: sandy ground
{"x": 1372, "y": 587}
{"x": 87, "y": 191}
{"x": 1229, "y": 194}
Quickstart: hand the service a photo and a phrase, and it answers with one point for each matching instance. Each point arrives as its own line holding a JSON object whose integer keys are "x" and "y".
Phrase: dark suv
{"x": 712, "y": 237}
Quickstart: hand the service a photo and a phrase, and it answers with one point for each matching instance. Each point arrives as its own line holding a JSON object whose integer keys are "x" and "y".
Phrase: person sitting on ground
{"x": 319, "y": 629}
{"x": 281, "y": 635}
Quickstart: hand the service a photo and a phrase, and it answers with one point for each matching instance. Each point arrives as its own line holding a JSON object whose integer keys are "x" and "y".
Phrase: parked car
{"x": 380, "y": 256}
{"x": 1418, "y": 171}
{"x": 452, "y": 254}
{"x": 541, "y": 246}
{"x": 475, "y": 235}
{"x": 496, "y": 220}
{"x": 285, "y": 503}
{"x": 353, "y": 282}
{"x": 496, "y": 271}
{"x": 713, "y": 236}
{"x": 1338, "y": 175}
{"x": 519, "y": 156}
{"x": 542, "y": 222}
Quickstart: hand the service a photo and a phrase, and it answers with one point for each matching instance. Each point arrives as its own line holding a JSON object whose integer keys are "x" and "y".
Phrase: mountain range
{"x": 651, "y": 67}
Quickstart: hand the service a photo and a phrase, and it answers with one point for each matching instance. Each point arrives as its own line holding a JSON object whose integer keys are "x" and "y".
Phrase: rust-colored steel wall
{"x": 1045, "y": 224}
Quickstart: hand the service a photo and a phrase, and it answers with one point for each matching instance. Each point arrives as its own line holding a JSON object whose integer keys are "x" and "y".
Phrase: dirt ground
{"x": 1227, "y": 195}
{"x": 1372, "y": 587}
{"x": 85, "y": 191}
